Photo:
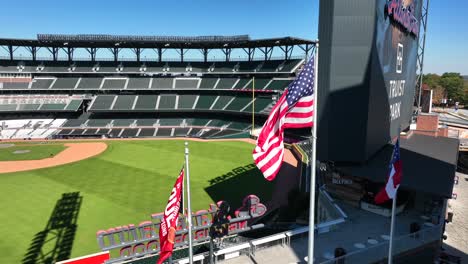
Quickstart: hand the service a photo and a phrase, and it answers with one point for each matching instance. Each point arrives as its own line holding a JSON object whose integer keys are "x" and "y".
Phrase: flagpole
{"x": 392, "y": 222}
{"x": 392, "y": 227}
{"x": 313, "y": 163}
{"x": 189, "y": 209}
{"x": 253, "y": 104}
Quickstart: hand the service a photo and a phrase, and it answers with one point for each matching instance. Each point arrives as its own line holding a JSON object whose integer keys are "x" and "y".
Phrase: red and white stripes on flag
{"x": 394, "y": 178}
{"x": 295, "y": 109}
{"x": 167, "y": 228}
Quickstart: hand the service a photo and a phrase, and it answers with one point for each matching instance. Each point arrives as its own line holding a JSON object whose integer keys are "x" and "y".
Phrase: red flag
{"x": 394, "y": 178}
{"x": 167, "y": 229}
{"x": 294, "y": 109}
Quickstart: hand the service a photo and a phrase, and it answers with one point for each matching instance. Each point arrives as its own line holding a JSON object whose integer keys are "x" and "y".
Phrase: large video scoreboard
{"x": 367, "y": 75}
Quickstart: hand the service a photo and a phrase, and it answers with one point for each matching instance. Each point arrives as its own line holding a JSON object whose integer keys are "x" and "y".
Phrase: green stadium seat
{"x": 41, "y": 83}
{"x": 146, "y": 132}
{"x": 90, "y": 131}
{"x": 73, "y": 123}
{"x": 205, "y": 102}
{"x": 114, "y": 84}
{"x": 166, "y": 102}
{"x": 28, "y": 107}
{"x": 102, "y": 102}
{"x": 222, "y": 102}
{"x": 52, "y": 107}
{"x": 226, "y": 83}
{"x": 65, "y": 83}
{"x": 146, "y": 122}
{"x": 146, "y": 102}
{"x": 98, "y": 122}
{"x": 200, "y": 121}
{"x": 129, "y": 132}
{"x": 194, "y": 132}
{"x": 260, "y": 83}
{"x": 238, "y": 125}
{"x": 186, "y": 101}
{"x": 16, "y": 85}
{"x": 270, "y": 66}
{"x": 170, "y": 122}
{"x": 124, "y": 102}
{"x": 279, "y": 84}
{"x": 138, "y": 83}
{"x": 186, "y": 83}
{"x": 210, "y": 133}
{"x": 115, "y": 132}
{"x": 123, "y": 122}
{"x": 73, "y": 105}
{"x": 289, "y": 65}
{"x": 162, "y": 83}
{"x": 242, "y": 82}
{"x": 181, "y": 132}
{"x": 239, "y": 103}
{"x": 103, "y": 131}
{"x": 89, "y": 83}
{"x": 261, "y": 103}
{"x": 164, "y": 132}
{"x": 8, "y": 107}
{"x": 208, "y": 83}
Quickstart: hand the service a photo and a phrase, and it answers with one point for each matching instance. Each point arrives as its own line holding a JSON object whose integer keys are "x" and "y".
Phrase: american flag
{"x": 294, "y": 109}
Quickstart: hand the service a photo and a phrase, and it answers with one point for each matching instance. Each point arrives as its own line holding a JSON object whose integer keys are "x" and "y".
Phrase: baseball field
{"x": 126, "y": 183}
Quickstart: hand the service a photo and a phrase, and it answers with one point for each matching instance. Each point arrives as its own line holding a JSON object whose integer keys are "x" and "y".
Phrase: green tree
{"x": 466, "y": 94}
{"x": 453, "y": 84}
{"x": 432, "y": 80}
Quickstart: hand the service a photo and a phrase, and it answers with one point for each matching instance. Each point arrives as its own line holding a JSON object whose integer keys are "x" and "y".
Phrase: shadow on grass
{"x": 235, "y": 185}
{"x": 55, "y": 242}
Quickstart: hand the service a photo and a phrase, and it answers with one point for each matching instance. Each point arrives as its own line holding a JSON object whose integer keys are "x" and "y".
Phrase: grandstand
{"x": 143, "y": 98}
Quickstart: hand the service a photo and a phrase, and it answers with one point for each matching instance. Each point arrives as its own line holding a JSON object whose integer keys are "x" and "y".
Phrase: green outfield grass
{"x": 124, "y": 185}
{"x": 36, "y": 152}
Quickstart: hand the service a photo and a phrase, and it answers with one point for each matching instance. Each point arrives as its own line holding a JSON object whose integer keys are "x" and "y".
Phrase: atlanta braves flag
{"x": 168, "y": 225}
{"x": 294, "y": 109}
{"x": 394, "y": 177}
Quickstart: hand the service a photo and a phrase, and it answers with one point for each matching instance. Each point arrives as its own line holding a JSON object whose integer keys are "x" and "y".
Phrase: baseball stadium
{"x": 95, "y": 129}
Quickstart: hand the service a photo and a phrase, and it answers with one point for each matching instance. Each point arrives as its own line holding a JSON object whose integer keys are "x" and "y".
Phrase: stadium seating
{"x": 124, "y": 102}
{"x": 186, "y": 83}
{"x": 29, "y": 128}
{"x": 42, "y": 83}
{"x": 167, "y": 102}
{"x": 89, "y": 83}
{"x": 119, "y": 83}
{"x": 146, "y": 102}
{"x": 103, "y": 102}
{"x": 208, "y": 83}
{"x": 65, "y": 83}
{"x": 162, "y": 83}
{"x": 143, "y": 99}
{"x": 186, "y": 101}
{"x": 138, "y": 83}
{"x": 226, "y": 83}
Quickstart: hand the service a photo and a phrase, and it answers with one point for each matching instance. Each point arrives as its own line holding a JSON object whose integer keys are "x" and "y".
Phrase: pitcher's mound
{"x": 74, "y": 152}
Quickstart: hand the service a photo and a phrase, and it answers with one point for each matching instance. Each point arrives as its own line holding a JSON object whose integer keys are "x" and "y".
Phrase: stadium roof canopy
{"x": 91, "y": 42}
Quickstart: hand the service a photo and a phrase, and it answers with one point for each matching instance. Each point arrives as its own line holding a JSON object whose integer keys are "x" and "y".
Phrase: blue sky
{"x": 446, "y": 40}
